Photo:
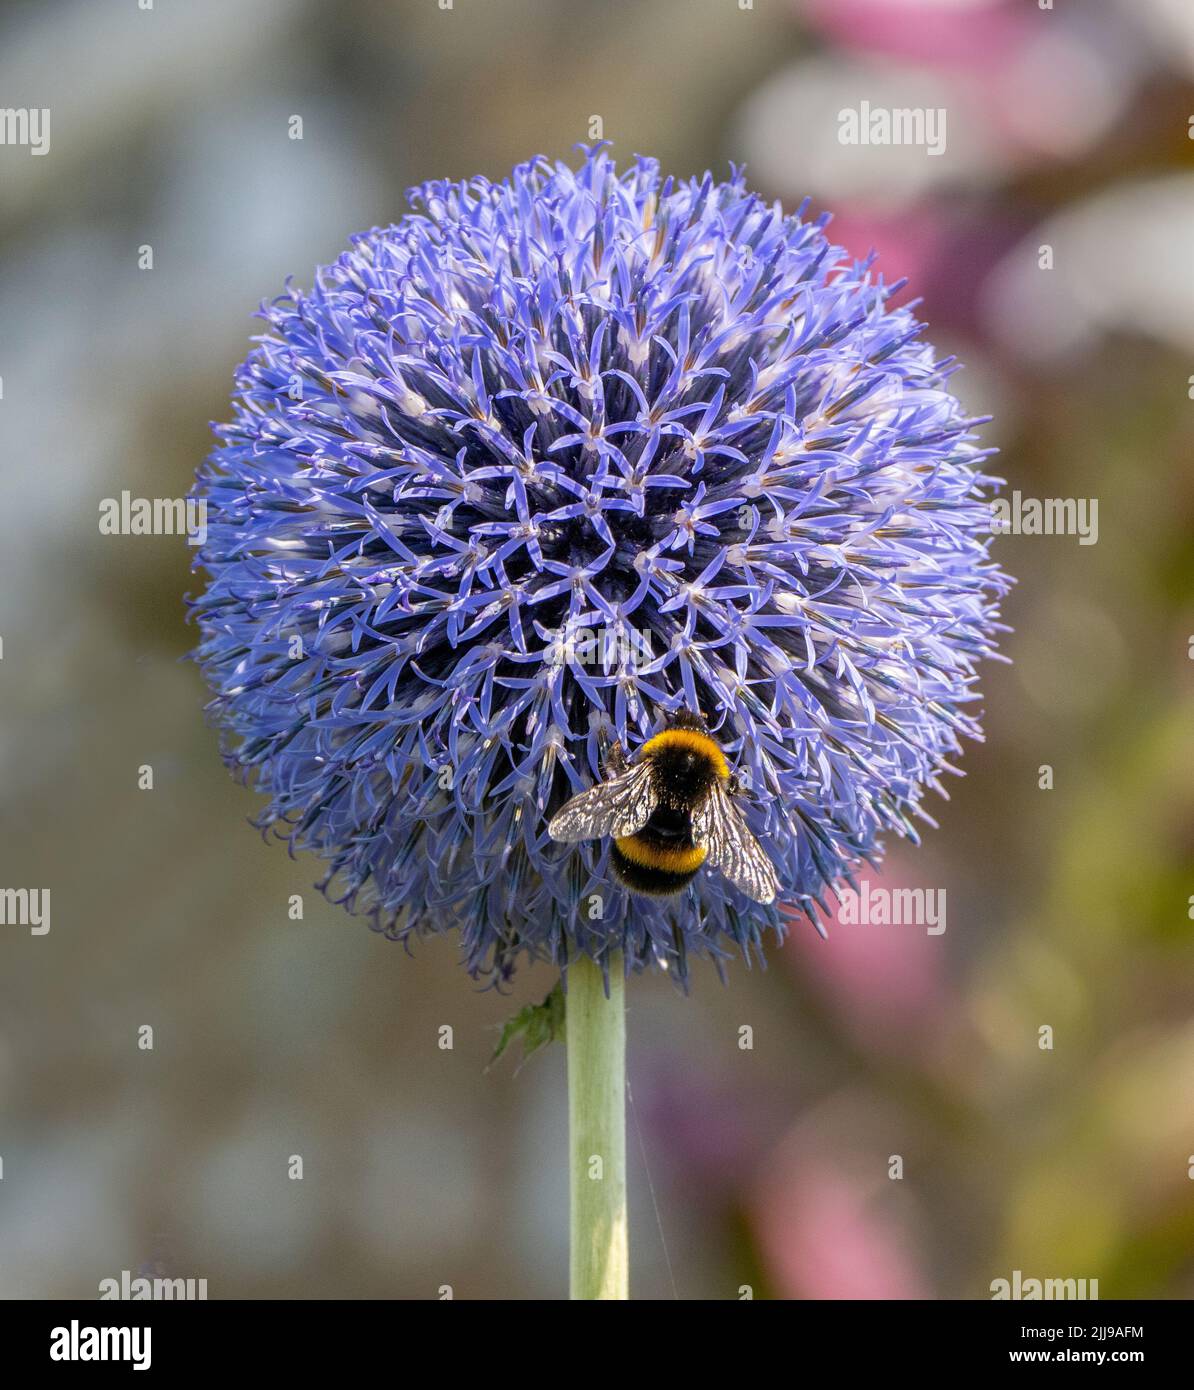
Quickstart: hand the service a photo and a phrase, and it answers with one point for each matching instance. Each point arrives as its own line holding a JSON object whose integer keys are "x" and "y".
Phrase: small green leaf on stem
{"x": 536, "y": 1024}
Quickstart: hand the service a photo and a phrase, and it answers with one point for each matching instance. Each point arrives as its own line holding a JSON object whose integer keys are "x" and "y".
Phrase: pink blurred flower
{"x": 963, "y": 33}
{"x": 823, "y": 1231}
{"x": 886, "y": 982}
{"x": 944, "y": 253}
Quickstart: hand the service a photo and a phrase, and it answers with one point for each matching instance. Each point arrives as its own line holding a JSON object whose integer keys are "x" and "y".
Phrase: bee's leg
{"x": 615, "y": 759}
{"x": 734, "y": 785}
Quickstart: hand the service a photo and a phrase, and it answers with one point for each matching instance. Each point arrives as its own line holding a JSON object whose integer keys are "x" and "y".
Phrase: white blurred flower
{"x": 1052, "y": 94}
{"x": 789, "y": 128}
{"x": 1121, "y": 263}
{"x": 1170, "y": 24}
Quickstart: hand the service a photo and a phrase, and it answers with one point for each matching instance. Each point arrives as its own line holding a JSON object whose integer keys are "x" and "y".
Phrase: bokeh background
{"x": 768, "y": 1168}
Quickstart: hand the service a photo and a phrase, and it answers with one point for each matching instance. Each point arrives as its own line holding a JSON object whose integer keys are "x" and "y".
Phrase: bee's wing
{"x": 718, "y": 825}
{"x": 620, "y": 806}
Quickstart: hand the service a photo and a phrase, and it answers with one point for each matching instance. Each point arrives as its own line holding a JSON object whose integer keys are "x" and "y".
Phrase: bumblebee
{"x": 669, "y": 813}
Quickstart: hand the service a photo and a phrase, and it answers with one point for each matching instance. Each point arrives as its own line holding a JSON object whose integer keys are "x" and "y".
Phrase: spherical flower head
{"x": 544, "y": 462}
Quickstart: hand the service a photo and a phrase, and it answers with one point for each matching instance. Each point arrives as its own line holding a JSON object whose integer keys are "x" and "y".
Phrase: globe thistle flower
{"x": 543, "y": 462}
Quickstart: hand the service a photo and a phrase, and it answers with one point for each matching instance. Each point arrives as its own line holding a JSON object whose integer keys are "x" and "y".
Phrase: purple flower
{"x": 543, "y": 462}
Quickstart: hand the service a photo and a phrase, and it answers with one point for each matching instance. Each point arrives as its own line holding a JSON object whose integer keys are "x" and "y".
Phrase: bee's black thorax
{"x": 683, "y": 772}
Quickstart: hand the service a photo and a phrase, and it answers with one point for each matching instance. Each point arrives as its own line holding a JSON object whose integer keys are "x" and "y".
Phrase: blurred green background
{"x": 768, "y": 1168}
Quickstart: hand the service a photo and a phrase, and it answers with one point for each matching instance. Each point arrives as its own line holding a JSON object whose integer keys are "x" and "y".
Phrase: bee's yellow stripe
{"x": 675, "y": 861}
{"x": 692, "y": 739}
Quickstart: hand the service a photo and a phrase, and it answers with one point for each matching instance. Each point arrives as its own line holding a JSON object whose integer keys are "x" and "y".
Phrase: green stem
{"x": 596, "y": 1034}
